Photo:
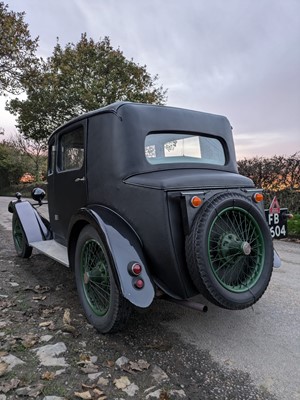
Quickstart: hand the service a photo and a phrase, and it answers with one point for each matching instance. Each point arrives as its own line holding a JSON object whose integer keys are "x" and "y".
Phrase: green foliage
{"x": 278, "y": 176}
{"x": 294, "y": 226}
{"x": 18, "y": 157}
{"x": 276, "y": 173}
{"x": 17, "y": 51}
{"x": 79, "y": 78}
{"x": 33, "y": 150}
{"x": 13, "y": 164}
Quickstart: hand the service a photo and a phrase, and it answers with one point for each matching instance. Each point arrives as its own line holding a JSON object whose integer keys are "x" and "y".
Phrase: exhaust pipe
{"x": 189, "y": 304}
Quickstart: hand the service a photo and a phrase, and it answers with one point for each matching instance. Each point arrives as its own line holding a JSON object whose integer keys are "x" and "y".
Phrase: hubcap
{"x": 230, "y": 245}
{"x": 246, "y": 248}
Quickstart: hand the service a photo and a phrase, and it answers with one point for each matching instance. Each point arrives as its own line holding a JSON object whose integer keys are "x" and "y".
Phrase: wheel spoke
{"x": 101, "y": 294}
{"x": 95, "y": 277}
{"x": 236, "y": 249}
{"x": 18, "y": 234}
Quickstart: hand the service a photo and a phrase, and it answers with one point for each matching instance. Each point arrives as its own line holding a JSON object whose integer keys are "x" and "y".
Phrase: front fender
{"x": 32, "y": 223}
{"x": 124, "y": 246}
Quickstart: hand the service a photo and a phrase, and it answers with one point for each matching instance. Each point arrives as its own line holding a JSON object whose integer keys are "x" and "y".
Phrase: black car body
{"x": 156, "y": 189}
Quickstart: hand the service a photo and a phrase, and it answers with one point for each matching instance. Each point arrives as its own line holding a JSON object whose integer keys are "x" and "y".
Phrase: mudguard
{"x": 34, "y": 228}
{"x": 124, "y": 246}
{"x": 277, "y": 260}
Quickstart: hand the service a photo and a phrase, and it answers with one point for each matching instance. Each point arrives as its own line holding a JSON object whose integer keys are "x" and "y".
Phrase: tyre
{"x": 105, "y": 308}
{"x": 229, "y": 251}
{"x": 20, "y": 241}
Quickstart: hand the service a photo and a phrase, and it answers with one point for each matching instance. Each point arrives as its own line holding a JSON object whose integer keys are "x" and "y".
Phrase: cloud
{"x": 236, "y": 58}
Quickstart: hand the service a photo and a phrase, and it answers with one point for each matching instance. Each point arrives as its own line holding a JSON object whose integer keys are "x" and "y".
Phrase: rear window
{"x": 178, "y": 147}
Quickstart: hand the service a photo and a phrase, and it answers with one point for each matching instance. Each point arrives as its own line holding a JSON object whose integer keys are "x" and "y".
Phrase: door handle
{"x": 80, "y": 179}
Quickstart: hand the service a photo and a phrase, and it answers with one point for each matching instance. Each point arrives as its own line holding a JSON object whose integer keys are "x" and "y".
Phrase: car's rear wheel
{"x": 20, "y": 241}
{"x": 229, "y": 251}
{"x": 105, "y": 307}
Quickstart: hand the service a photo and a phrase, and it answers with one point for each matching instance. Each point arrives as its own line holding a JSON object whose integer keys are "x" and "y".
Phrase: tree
{"x": 19, "y": 156}
{"x": 35, "y": 152}
{"x": 278, "y": 176}
{"x": 17, "y": 51}
{"x": 13, "y": 164}
{"x": 79, "y": 78}
{"x": 274, "y": 174}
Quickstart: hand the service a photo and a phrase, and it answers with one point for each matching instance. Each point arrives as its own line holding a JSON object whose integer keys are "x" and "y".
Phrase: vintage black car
{"x": 147, "y": 201}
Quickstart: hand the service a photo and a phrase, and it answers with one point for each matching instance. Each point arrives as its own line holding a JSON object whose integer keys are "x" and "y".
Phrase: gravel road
{"x": 250, "y": 354}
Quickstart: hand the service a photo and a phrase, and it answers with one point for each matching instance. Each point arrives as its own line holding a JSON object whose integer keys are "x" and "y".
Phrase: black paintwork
{"x": 33, "y": 224}
{"x": 124, "y": 249}
{"x": 142, "y": 210}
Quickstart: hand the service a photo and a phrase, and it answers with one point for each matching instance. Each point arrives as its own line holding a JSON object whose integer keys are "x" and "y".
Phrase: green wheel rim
{"x": 18, "y": 235}
{"x": 95, "y": 277}
{"x": 236, "y": 249}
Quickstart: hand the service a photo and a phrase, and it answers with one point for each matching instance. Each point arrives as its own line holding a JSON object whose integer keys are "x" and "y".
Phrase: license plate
{"x": 277, "y": 223}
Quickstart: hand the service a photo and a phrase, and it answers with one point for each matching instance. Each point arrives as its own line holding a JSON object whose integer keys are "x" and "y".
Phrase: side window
{"x": 71, "y": 150}
{"x": 51, "y": 157}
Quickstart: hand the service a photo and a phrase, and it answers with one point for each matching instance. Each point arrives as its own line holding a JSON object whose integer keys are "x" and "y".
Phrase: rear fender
{"x": 32, "y": 223}
{"x": 124, "y": 247}
{"x": 277, "y": 260}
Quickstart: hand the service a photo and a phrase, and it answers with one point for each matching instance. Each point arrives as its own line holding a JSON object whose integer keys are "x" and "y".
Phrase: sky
{"x": 238, "y": 58}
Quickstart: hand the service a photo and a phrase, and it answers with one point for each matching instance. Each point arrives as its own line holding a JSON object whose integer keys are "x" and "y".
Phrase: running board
{"x": 52, "y": 249}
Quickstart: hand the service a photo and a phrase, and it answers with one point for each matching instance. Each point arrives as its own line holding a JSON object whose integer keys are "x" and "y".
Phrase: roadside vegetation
{"x": 279, "y": 176}
{"x": 294, "y": 226}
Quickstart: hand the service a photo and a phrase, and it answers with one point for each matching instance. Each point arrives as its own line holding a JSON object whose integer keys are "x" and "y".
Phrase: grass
{"x": 54, "y": 388}
{"x": 294, "y": 226}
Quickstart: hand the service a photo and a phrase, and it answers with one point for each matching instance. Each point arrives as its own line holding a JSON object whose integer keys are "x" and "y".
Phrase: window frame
{"x": 52, "y": 150}
{"x": 59, "y": 157}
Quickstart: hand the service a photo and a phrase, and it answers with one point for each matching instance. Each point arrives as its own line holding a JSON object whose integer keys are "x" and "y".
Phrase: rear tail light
{"x": 135, "y": 269}
{"x": 258, "y": 197}
{"x": 139, "y": 283}
{"x": 196, "y": 201}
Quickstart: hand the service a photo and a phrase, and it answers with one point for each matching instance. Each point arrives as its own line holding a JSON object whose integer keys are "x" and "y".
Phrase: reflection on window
{"x": 162, "y": 148}
{"x": 72, "y": 150}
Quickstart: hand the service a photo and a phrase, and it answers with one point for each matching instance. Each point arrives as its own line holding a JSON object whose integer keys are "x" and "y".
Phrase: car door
{"x": 69, "y": 180}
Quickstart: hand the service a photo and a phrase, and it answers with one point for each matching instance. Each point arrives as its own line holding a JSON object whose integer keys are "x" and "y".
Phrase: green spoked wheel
{"x": 20, "y": 241}
{"x": 104, "y": 306}
{"x": 229, "y": 251}
{"x": 236, "y": 249}
{"x": 95, "y": 277}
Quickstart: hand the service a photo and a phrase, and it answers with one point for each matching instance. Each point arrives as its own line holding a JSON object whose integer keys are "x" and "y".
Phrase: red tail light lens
{"x": 139, "y": 283}
{"x": 135, "y": 269}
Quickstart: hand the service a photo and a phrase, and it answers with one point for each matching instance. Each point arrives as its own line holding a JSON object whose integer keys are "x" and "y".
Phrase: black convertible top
{"x": 118, "y": 131}
{"x": 205, "y": 120}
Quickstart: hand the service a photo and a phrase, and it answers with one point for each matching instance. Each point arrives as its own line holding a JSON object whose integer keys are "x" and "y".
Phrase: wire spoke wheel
{"x": 236, "y": 249}
{"x": 229, "y": 251}
{"x": 18, "y": 235}
{"x": 21, "y": 245}
{"x": 104, "y": 306}
{"x": 95, "y": 277}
